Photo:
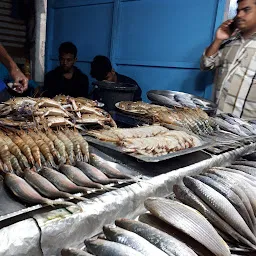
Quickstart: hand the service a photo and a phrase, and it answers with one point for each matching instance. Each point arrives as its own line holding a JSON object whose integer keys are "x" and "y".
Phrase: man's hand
{"x": 224, "y": 32}
{"x": 20, "y": 81}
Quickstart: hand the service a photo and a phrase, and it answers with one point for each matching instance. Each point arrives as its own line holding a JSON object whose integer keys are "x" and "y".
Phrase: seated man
{"x": 66, "y": 79}
{"x": 101, "y": 69}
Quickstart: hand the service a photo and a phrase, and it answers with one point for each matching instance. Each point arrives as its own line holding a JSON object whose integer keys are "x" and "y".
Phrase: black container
{"x": 110, "y": 93}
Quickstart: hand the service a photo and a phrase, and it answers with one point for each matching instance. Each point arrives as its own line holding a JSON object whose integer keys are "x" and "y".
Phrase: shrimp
{"x": 68, "y": 145}
{"x": 60, "y": 146}
{"x": 5, "y": 155}
{"x": 15, "y": 165}
{"x": 83, "y": 144}
{"x": 14, "y": 149}
{"x": 33, "y": 147}
{"x": 25, "y": 149}
{"x": 44, "y": 149}
{"x": 76, "y": 144}
{"x": 50, "y": 144}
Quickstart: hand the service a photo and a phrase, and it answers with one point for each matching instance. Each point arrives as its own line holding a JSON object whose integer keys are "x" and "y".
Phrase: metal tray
{"x": 147, "y": 158}
{"x": 166, "y": 98}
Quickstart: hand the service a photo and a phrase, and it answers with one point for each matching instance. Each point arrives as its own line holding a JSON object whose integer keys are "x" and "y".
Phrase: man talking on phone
{"x": 233, "y": 54}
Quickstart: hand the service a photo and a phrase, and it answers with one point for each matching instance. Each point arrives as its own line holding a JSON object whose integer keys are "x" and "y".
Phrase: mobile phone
{"x": 232, "y": 27}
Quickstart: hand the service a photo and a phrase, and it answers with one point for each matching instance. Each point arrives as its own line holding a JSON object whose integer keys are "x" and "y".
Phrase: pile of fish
{"x": 171, "y": 228}
{"x": 25, "y": 112}
{"x": 40, "y": 187}
{"x": 21, "y": 149}
{"x": 236, "y": 125}
{"x": 226, "y": 197}
{"x": 195, "y": 120}
{"x": 153, "y": 140}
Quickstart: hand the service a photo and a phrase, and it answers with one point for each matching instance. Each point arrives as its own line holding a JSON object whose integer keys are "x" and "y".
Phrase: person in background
{"x": 20, "y": 83}
{"x": 66, "y": 79}
{"x": 101, "y": 69}
{"x": 233, "y": 53}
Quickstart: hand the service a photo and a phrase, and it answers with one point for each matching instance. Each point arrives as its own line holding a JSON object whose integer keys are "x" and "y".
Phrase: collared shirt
{"x": 235, "y": 79}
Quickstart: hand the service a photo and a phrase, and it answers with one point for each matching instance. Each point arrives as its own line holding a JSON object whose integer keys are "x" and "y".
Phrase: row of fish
{"x": 226, "y": 197}
{"x": 236, "y": 125}
{"x": 46, "y": 184}
{"x": 171, "y": 228}
{"x": 20, "y": 150}
{"x": 151, "y": 140}
{"x": 194, "y": 120}
{"x": 27, "y": 112}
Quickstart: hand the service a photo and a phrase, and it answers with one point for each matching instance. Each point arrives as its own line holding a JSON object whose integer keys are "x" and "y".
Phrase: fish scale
{"x": 187, "y": 219}
{"x": 169, "y": 244}
{"x": 231, "y": 196}
{"x": 108, "y": 248}
{"x": 132, "y": 240}
{"x": 186, "y": 196}
{"x": 240, "y": 192}
{"x": 221, "y": 205}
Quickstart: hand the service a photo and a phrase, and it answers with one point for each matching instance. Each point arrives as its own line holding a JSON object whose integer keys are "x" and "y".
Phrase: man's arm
{"x": 20, "y": 81}
{"x": 212, "y": 55}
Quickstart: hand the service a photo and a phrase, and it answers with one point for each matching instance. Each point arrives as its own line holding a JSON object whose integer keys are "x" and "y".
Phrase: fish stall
{"x": 69, "y": 169}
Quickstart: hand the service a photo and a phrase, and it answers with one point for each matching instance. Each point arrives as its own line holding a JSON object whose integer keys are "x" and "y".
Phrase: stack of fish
{"x": 236, "y": 125}
{"x": 195, "y": 120}
{"x": 28, "y": 112}
{"x": 171, "y": 228}
{"x": 152, "y": 141}
{"x": 226, "y": 197}
{"x": 46, "y": 184}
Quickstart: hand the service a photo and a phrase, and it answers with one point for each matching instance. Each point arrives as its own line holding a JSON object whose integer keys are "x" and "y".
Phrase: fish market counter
{"x": 46, "y": 233}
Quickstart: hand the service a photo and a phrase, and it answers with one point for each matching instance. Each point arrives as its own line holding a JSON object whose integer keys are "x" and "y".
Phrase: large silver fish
{"x": 169, "y": 244}
{"x": 132, "y": 240}
{"x": 231, "y": 196}
{"x": 189, "y": 221}
{"x": 221, "y": 205}
{"x": 246, "y": 163}
{"x": 101, "y": 247}
{"x": 233, "y": 185}
{"x": 157, "y": 223}
{"x": 187, "y": 197}
{"x": 247, "y": 169}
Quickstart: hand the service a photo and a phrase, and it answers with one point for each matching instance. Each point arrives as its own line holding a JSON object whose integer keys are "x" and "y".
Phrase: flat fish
{"x": 132, "y": 240}
{"x": 231, "y": 196}
{"x": 187, "y": 197}
{"x": 169, "y": 244}
{"x": 102, "y": 247}
{"x": 221, "y": 205}
{"x": 187, "y": 219}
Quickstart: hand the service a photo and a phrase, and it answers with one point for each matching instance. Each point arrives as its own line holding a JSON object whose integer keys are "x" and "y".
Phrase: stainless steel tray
{"x": 167, "y": 98}
{"x": 147, "y": 158}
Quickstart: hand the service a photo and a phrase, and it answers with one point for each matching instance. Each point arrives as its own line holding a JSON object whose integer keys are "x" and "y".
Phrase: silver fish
{"x": 102, "y": 247}
{"x": 187, "y": 197}
{"x": 247, "y": 169}
{"x": 231, "y": 196}
{"x": 189, "y": 221}
{"x": 165, "y": 242}
{"x": 132, "y": 240}
{"x": 74, "y": 252}
{"x": 236, "y": 188}
{"x": 246, "y": 163}
{"x": 221, "y": 205}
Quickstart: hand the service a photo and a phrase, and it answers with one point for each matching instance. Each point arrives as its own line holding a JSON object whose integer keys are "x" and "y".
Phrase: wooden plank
{"x": 5, "y": 5}
{"x": 5, "y": 12}
{"x": 16, "y": 45}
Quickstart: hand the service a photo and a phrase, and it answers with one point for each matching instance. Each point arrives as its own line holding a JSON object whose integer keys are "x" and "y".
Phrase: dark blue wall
{"x": 156, "y": 42}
